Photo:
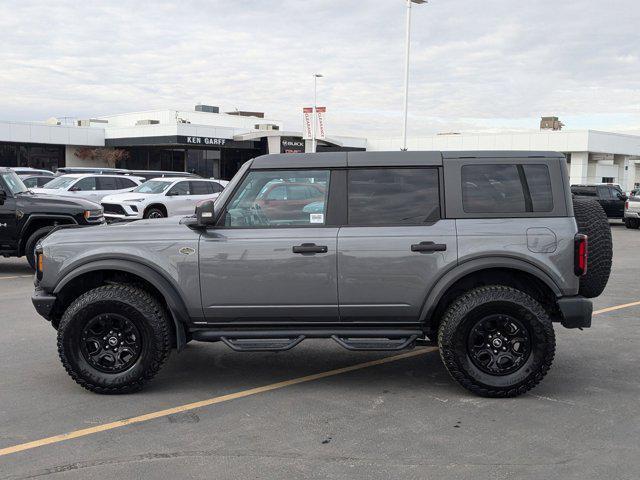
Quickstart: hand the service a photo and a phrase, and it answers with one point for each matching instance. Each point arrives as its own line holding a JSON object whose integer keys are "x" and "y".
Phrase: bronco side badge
{"x": 187, "y": 251}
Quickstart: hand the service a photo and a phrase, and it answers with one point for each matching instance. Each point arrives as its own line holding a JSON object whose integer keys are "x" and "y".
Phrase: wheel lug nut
{"x": 495, "y": 351}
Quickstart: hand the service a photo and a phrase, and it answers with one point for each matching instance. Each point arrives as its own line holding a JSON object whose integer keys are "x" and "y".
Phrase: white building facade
{"x": 593, "y": 156}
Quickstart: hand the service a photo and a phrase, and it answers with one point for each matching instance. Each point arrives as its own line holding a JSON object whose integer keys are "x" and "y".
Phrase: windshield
{"x": 14, "y": 183}
{"x": 60, "y": 182}
{"x": 152, "y": 186}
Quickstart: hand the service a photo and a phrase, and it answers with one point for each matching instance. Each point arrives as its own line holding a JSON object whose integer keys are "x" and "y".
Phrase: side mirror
{"x": 3, "y": 197}
{"x": 74, "y": 189}
{"x": 206, "y": 213}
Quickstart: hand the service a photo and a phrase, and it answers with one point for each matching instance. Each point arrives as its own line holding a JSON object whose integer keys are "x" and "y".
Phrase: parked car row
{"x": 614, "y": 201}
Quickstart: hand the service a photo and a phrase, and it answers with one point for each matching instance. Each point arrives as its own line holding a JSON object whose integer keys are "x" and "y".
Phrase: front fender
{"x": 177, "y": 307}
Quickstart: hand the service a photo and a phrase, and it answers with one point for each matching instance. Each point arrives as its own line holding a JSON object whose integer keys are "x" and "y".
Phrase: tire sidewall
{"x": 533, "y": 363}
{"x": 32, "y": 241}
{"x": 70, "y": 333}
{"x": 152, "y": 210}
{"x": 454, "y": 336}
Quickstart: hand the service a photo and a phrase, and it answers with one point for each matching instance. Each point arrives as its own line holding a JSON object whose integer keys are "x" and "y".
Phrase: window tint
{"x": 107, "y": 183}
{"x": 85, "y": 184}
{"x": 200, "y": 188}
{"x": 492, "y": 189}
{"x": 30, "y": 182}
{"x": 125, "y": 183}
{"x": 583, "y": 191}
{"x": 180, "y": 188}
{"x": 604, "y": 193}
{"x": 42, "y": 181}
{"x": 385, "y": 196}
{"x": 280, "y": 199}
{"x": 216, "y": 187}
{"x": 539, "y": 182}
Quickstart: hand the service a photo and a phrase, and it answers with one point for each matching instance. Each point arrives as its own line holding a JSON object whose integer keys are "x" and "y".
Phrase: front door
{"x": 395, "y": 246}
{"x": 263, "y": 265}
{"x": 8, "y": 225}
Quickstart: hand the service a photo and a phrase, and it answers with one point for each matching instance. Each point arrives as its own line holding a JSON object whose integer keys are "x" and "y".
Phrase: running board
{"x": 278, "y": 340}
{"x": 373, "y": 344}
{"x": 261, "y": 344}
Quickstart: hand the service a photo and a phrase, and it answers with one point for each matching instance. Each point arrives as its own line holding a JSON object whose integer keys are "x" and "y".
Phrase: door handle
{"x": 310, "y": 248}
{"x": 428, "y": 247}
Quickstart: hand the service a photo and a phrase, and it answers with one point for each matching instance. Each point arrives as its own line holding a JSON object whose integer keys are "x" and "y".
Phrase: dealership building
{"x": 202, "y": 141}
{"x": 214, "y": 144}
{"x": 593, "y": 156}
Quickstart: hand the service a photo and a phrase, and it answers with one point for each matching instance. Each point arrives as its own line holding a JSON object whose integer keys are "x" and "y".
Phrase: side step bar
{"x": 281, "y": 340}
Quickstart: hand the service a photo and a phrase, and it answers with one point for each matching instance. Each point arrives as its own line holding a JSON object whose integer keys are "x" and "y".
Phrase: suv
{"x": 89, "y": 186}
{"x": 159, "y": 198}
{"x": 25, "y": 217}
{"x": 480, "y": 251}
{"x": 610, "y": 197}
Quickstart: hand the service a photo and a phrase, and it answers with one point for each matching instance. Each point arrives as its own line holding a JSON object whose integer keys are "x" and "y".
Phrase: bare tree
{"x": 110, "y": 156}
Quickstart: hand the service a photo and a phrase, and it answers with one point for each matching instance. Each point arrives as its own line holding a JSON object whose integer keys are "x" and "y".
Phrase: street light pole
{"x": 314, "y": 141}
{"x": 406, "y": 71}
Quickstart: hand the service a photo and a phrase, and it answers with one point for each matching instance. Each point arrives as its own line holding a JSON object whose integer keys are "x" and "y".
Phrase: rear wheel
{"x": 32, "y": 242}
{"x": 593, "y": 222}
{"x": 496, "y": 341}
{"x": 633, "y": 223}
{"x": 114, "y": 339}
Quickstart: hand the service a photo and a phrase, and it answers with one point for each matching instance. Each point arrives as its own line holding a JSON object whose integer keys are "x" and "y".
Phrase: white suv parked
{"x": 89, "y": 186}
{"x": 161, "y": 197}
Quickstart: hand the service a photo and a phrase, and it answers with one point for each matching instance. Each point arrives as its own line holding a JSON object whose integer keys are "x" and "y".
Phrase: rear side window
{"x": 200, "y": 188}
{"x": 125, "y": 183}
{"x": 506, "y": 188}
{"x": 107, "y": 183}
{"x": 400, "y": 196}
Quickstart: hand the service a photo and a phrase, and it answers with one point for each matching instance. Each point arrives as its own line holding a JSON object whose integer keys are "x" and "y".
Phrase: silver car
{"x": 89, "y": 186}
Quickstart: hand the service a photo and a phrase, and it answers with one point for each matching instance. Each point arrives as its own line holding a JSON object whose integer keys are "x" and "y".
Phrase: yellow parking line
{"x": 211, "y": 401}
{"x": 616, "y": 307}
{"x": 16, "y": 276}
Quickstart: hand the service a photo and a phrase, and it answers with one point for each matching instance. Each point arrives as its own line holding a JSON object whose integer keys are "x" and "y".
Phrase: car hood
{"x": 121, "y": 197}
{"x": 122, "y": 234}
{"x": 55, "y": 203}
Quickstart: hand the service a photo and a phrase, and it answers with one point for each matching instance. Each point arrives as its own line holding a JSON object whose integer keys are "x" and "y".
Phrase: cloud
{"x": 495, "y": 64}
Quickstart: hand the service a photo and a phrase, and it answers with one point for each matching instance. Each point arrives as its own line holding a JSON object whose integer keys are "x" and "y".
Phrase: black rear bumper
{"x": 43, "y": 302}
{"x": 576, "y": 311}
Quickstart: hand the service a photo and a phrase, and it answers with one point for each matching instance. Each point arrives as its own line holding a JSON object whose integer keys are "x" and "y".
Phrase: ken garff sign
{"x": 206, "y": 140}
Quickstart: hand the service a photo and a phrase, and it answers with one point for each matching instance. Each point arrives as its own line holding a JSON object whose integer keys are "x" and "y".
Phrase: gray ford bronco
{"x": 479, "y": 251}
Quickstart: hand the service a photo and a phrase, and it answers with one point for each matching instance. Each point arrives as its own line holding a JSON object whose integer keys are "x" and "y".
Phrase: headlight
{"x": 92, "y": 214}
{"x": 134, "y": 200}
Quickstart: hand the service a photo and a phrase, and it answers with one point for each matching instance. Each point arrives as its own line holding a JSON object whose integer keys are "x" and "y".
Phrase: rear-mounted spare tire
{"x": 593, "y": 222}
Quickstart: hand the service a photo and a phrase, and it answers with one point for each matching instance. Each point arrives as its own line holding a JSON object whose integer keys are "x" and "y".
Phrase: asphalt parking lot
{"x": 402, "y": 418}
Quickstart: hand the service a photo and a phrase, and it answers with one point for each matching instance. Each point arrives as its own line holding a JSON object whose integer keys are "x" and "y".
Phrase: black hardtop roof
{"x": 373, "y": 159}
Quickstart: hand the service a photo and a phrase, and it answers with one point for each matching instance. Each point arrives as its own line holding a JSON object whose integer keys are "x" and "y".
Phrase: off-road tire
{"x": 31, "y": 243}
{"x": 151, "y": 212}
{"x": 632, "y": 223}
{"x": 137, "y": 305}
{"x": 593, "y": 222}
{"x": 490, "y": 300}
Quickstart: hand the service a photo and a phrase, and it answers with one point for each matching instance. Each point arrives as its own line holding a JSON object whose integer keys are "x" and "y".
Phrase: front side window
{"x": 393, "y": 196}
{"x": 180, "y": 189}
{"x": 153, "y": 186}
{"x": 85, "y": 184}
{"x": 273, "y": 199}
{"x": 60, "y": 183}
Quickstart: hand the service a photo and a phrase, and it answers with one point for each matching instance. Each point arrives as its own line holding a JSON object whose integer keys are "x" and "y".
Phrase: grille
{"x": 115, "y": 209}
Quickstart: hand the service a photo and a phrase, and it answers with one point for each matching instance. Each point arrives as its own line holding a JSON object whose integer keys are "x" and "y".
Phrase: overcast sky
{"x": 476, "y": 65}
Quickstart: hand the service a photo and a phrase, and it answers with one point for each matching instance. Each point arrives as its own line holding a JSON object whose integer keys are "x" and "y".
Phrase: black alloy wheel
{"x": 111, "y": 343}
{"x": 499, "y": 344}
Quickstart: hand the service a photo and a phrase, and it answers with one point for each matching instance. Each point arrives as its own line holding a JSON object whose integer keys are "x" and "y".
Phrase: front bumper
{"x": 576, "y": 311}
{"x": 43, "y": 302}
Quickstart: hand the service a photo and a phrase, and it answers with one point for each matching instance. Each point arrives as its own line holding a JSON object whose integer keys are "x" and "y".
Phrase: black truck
{"x": 25, "y": 217}
{"x": 610, "y": 197}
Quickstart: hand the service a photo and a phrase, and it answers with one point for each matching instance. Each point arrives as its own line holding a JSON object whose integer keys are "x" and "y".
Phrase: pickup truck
{"x": 632, "y": 212}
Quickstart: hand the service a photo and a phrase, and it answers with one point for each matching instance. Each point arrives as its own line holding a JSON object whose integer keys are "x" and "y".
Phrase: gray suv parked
{"x": 479, "y": 250}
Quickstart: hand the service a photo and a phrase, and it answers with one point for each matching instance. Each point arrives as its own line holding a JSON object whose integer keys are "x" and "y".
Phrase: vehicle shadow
{"x": 15, "y": 267}
{"x": 217, "y": 370}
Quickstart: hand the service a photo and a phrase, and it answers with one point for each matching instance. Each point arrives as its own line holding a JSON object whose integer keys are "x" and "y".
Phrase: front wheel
{"x": 154, "y": 212}
{"x": 32, "y": 242}
{"x": 496, "y": 341}
{"x": 114, "y": 338}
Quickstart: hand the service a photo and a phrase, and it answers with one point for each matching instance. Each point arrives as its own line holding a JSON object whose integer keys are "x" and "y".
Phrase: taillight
{"x": 626, "y": 205}
{"x": 581, "y": 254}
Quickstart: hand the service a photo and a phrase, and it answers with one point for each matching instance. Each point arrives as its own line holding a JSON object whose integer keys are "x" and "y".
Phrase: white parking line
{"x": 16, "y": 276}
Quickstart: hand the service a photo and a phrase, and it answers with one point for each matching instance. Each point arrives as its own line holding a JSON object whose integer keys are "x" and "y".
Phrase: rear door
{"x": 395, "y": 244}
{"x": 607, "y": 200}
{"x": 8, "y": 224}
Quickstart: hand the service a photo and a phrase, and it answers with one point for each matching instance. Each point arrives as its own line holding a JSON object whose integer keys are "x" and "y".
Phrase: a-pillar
{"x": 578, "y": 167}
